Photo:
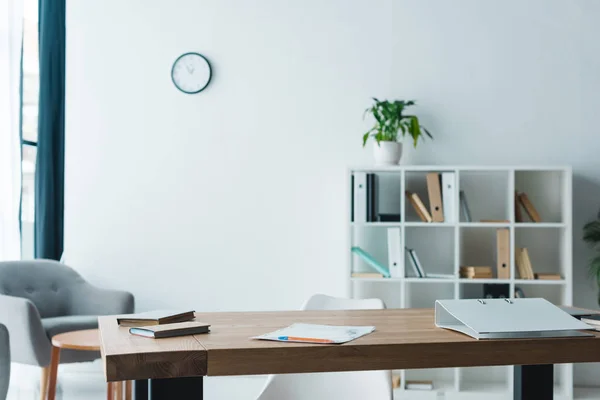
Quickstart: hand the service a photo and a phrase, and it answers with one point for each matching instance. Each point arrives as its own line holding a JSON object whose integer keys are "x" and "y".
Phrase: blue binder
{"x": 371, "y": 261}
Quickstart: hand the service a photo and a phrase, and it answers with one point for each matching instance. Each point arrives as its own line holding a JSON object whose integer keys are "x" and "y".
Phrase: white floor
{"x": 85, "y": 381}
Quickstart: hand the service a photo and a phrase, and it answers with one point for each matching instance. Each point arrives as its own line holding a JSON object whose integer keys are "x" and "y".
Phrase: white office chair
{"x": 371, "y": 385}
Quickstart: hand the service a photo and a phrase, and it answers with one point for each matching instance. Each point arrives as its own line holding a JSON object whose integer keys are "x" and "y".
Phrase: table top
{"x": 403, "y": 339}
{"x": 88, "y": 340}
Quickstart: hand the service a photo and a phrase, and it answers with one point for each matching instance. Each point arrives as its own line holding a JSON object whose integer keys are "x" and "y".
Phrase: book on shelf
{"x": 369, "y": 275}
{"x": 394, "y": 252}
{"x": 434, "y": 192}
{"x": 418, "y": 385}
{"x": 171, "y": 330}
{"x": 372, "y": 197}
{"x": 476, "y": 272}
{"x": 530, "y": 210}
{"x": 464, "y": 206}
{"x": 371, "y": 261}
{"x": 547, "y": 276}
{"x": 518, "y": 212}
{"x": 416, "y": 263}
{"x": 523, "y": 263}
{"x": 449, "y": 197}
{"x": 503, "y": 253}
{"x": 388, "y": 217}
{"x": 156, "y": 317}
{"x": 419, "y": 207}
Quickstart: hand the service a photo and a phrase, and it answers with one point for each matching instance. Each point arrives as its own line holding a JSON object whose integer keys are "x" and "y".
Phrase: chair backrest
{"x": 4, "y": 362}
{"x": 372, "y": 385}
{"x": 45, "y": 282}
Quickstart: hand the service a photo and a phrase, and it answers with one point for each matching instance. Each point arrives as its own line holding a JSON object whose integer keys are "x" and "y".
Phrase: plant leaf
{"x": 591, "y": 233}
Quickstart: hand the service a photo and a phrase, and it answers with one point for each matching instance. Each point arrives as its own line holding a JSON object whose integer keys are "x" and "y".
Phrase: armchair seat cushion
{"x": 55, "y": 325}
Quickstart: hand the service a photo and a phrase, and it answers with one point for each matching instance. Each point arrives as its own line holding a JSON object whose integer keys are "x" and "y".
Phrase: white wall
{"x": 234, "y": 199}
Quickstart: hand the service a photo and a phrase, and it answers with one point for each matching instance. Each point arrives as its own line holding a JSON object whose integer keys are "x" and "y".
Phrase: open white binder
{"x": 507, "y": 318}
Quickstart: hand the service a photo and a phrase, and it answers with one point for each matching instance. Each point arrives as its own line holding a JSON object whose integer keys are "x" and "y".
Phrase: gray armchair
{"x": 42, "y": 298}
{"x": 4, "y": 362}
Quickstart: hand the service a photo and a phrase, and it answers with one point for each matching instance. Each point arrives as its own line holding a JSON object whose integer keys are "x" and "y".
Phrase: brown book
{"x": 419, "y": 207}
{"x": 518, "y": 213}
{"x": 524, "y": 264}
{"x": 171, "y": 330}
{"x": 527, "y": 263}
{"x": 434, "y": 191}
{"x": 395, "y": 381}
{"x": 529, "y": 208}
{"x": 547, "y": 276}
{"x": 503, "y": 253}
{"x": 158, "y": 317}
{"x": 519, "y": 263}
{"x": 366, "y": 275}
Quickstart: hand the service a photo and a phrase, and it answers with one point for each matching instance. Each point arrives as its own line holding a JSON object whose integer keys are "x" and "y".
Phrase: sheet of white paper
{"x": 310, "y": 333}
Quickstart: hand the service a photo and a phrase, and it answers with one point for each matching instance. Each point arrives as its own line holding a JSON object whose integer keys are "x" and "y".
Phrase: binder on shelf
{"x": 371, "y": 198}
{"x": 464, "y": 207}
{"x": 359, "y": 197}
{"x": 435, "y": 197}
{"x": 507, "y": 319}
{"x": 518, "y": 212}
{"x": 503, "y": 253}
{"x": 419, "y": 207}
{"x": 372, "y": 262}
{"x": 449, "y": 197}
{"x": 394, "y": 252}
{"x": 529, "y": 208}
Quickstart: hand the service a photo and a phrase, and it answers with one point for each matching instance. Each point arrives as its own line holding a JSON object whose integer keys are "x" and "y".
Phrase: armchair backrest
{"x": 46, "y": 283}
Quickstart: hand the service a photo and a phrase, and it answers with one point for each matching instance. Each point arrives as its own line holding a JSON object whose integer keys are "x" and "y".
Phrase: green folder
{"x": 373, "y": 263}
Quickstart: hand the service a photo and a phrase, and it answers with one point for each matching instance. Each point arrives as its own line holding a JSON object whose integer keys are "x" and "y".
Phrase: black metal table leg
{"x": 140, "y": 389}
{"x": 177, "y": 388}
{"x": 534, "y": 382}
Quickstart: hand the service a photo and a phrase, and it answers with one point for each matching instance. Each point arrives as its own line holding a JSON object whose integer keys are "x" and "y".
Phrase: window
{"x": 31, "y": 87}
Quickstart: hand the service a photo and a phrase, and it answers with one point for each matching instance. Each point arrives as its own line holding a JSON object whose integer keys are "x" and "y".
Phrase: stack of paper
{"x": 310, "y": 333}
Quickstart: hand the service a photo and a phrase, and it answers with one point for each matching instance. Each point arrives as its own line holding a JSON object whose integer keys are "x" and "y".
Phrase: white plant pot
{"x": 387, "y": 153}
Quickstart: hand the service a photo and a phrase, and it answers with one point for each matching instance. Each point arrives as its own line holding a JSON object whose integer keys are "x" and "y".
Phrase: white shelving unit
{"x": 444, "y": 247}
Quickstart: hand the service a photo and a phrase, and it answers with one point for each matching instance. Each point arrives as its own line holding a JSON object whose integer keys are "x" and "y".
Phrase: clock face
{"x": 191, "y": 73}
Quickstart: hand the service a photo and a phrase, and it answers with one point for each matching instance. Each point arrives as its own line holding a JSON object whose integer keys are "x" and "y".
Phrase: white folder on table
{"x": 507, "y": 318}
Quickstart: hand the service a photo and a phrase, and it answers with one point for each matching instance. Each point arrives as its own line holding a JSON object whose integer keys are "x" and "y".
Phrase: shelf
{"x": 380, "y": 280}
{"x": 539, "y": 282}
{"x": 430, "y": 280}
{"x": 484, "y": 224}
{"x": 480, "y": 281}
{"x": 539, "y": 225}
{"x": 381, "y": 224}
{"x": 429, "y": 224}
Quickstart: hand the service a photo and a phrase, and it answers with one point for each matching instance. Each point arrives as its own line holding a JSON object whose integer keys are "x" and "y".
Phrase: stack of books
{"x": 470, "y": 272}
{"x": 441, "y": 193}
{"x": 547, "y": 276}
{"x": 160, "y": 324}
{"x": 523, "y": 262}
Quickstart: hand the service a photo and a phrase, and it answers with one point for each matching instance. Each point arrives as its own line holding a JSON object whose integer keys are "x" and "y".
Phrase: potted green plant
{"x": 591, "y": 235}
{"x": 392, "y": 124}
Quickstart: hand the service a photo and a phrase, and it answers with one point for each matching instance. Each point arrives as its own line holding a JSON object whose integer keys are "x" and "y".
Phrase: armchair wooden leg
{"x": 118, "y": 390}
{"x": 128, "y": 390}
{"x": 54, "y": 360}
{"x": 44, "y": 383}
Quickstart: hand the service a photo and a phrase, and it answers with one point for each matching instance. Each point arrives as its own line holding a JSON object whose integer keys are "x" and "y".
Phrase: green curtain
{"x": 49, "y": 178}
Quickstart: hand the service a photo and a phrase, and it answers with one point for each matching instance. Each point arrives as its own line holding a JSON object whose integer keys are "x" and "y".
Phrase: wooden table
{"x": 85, "y": 340}
{"x": 404, "y": 339}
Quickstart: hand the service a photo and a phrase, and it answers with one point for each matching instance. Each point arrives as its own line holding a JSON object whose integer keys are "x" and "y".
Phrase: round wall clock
{"x": 191, "y": 73}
